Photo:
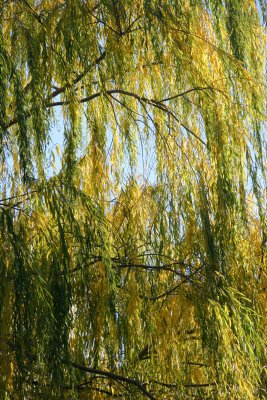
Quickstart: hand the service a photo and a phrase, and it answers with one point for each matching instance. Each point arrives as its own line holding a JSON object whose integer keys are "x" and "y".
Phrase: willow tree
{"x": 133, "y": 211}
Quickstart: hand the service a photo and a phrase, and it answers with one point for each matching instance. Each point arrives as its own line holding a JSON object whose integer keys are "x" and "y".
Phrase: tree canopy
{"x": 133, "y": 199}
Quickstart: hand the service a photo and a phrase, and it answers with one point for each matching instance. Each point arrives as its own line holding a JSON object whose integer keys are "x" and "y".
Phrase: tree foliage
{"x": 132, "y": 256}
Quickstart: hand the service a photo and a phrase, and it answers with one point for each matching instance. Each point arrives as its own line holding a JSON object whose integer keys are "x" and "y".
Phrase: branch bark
{"x": 114, "y": 376}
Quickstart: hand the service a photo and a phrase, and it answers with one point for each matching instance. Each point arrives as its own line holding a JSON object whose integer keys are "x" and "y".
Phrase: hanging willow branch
{"x": 116, "y": 377}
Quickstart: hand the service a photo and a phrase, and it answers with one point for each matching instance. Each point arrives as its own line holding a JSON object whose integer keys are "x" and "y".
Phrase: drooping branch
{"x": 174, "y": 289}
{"x": 79, "y": 77}
{"x": 17, "y": 196}
{"x": 153, "y": 102}
{"x": 156, "y": 103}
{"x": 62, "y": 89}
{"x": 200, "y": 88}
{"x": 141, "y": 386}
{"x": 147, "y": 267}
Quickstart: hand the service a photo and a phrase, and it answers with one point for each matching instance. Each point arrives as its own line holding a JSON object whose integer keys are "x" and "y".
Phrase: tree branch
{"x": 114, "y": 376}
{"x": 79, "y": 77}
{"x": 173, "y": 289}
{"x": 199, "y": 88}
{"x": 188, "y": 385}
{"x": 17, "y": 196}
{"x": 63, "y": 88}
{"x": 156, "y": 103}
{"x": 121, "y": 264}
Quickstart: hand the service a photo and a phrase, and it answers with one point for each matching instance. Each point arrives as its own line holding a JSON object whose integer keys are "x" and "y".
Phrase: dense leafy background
{"x": 133, "y": 256}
